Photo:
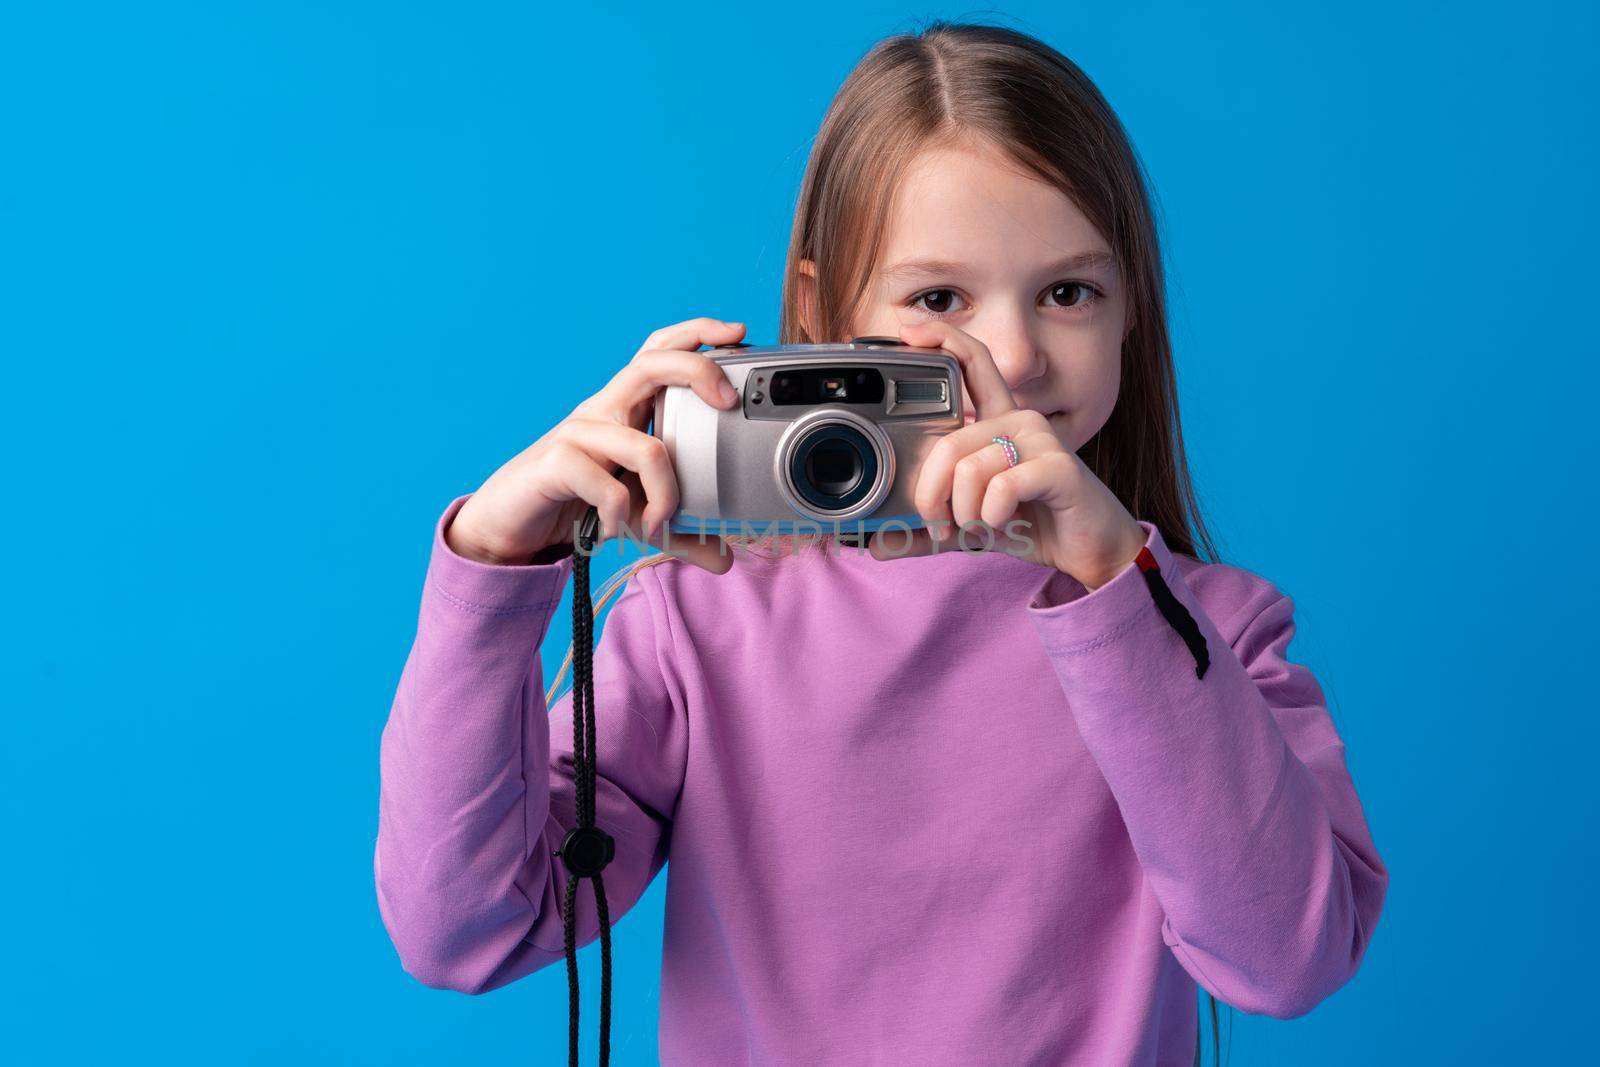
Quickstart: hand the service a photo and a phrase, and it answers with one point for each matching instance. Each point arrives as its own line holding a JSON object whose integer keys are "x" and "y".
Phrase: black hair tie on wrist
{"x": 586, "y": 849}
{"x": 1174, "y": 612}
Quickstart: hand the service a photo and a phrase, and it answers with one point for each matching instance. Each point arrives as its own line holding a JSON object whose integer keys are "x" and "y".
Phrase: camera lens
{"x": 833, "y": 467}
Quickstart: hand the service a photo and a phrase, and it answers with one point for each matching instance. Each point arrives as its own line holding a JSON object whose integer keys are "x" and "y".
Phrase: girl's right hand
{"x": 536, "y": 499}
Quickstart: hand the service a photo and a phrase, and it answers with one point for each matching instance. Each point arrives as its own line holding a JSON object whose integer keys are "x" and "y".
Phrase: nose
{"x": 1017, "y": 354}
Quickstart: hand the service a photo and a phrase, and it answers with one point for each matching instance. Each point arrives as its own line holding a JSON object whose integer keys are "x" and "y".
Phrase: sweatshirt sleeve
{"x": 1233, "y": 787}
{"x": 477, "y": 785}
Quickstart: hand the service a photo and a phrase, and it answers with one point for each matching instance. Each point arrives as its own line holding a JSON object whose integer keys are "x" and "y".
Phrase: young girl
{"x": 923, "y": 805}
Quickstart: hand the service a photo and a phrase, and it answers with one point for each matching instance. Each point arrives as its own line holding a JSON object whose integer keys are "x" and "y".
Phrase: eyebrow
{"x": 918, "y": 267}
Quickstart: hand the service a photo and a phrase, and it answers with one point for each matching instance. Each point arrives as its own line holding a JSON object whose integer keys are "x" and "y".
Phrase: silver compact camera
{"x": 825, "y": 436}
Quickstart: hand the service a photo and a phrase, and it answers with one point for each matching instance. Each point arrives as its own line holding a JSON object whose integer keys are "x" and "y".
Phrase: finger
{"x": 971, "y": 477}
{"x": 692, "y": 333}
{"x": 991, "y": 396}
{"x": 637, "y": 383}
{"x": 652, "y": 503}
{"x": 900, "y": 543}
{"x": 644, "y": 454}
{"x": 580, "y": 477}
{"x": 1048, "y": 480}
{"x": 710, "y": 554}
{"x": 935, "y": 479}
{"x": 1016, "y": 424}
{"x": 707, "y": 551}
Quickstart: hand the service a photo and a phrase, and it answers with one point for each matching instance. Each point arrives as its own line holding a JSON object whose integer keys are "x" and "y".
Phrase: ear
{"x": 806, "y": 281}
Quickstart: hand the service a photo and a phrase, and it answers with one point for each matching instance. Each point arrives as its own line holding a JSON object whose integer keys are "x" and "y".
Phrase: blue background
{"x": 279, "y": 281}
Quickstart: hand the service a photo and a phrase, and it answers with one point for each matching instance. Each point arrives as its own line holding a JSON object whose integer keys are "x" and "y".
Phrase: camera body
{"x": 826, "y": 437}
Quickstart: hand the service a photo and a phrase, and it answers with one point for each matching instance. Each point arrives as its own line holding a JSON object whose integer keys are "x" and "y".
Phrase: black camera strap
{"x": 586, "y": 849}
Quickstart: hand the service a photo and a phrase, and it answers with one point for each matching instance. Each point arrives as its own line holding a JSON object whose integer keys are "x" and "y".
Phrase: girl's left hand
{"x": 1074, "y": 523}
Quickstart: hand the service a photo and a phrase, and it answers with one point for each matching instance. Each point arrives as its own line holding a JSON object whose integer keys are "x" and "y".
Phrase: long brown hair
{"x": 970, "y": 82}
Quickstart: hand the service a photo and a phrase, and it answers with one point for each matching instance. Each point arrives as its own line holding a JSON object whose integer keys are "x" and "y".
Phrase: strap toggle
{"x": 586, "y": 850}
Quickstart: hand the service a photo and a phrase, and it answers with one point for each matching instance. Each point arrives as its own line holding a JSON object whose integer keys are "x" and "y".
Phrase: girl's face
{"x": 1010, "y": 260}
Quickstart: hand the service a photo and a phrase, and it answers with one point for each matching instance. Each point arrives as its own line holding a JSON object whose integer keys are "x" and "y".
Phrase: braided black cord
{"x": 586, "y": 849}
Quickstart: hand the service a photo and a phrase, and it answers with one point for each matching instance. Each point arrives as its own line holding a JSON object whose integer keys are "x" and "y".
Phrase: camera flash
{"x": 833, "y": 386}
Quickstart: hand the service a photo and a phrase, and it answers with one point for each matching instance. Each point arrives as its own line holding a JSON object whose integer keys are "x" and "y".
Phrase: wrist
{"x": 469, "y": 546}
{"x": 1132, "y": 544}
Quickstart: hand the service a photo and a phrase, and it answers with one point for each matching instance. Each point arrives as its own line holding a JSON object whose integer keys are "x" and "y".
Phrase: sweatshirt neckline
{"x": 934, "y": 563}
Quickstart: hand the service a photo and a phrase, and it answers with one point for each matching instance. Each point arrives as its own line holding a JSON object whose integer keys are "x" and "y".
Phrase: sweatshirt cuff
{"x": 1072, "y": 619}
{"x": 490, "y": 588}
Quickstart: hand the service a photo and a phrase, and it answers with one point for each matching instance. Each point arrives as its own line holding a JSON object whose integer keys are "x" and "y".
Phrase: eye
{"x": 929, "y": 295}
{"x": 939, "y": 299}
{"x": 1091, "y": 293}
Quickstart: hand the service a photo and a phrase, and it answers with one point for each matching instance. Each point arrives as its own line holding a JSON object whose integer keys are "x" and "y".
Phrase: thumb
{"x": 901, "y": 543}
{"x": 709, "y": 553}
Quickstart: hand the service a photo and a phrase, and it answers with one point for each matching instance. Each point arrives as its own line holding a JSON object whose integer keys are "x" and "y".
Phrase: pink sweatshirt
{"x": 942, "y": 810}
